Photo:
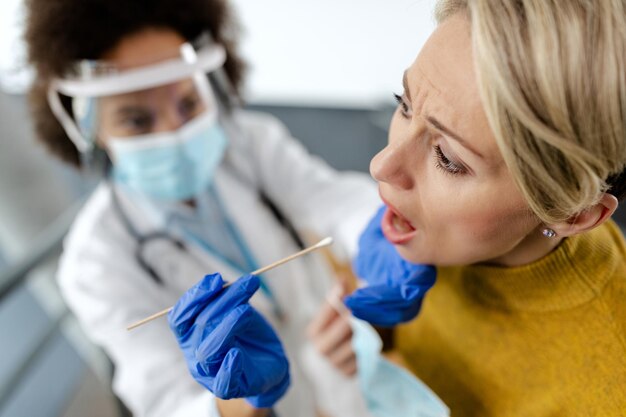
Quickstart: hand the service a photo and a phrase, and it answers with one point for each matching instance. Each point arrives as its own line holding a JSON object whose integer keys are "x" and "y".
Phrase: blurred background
{"x": 326, "y": 68}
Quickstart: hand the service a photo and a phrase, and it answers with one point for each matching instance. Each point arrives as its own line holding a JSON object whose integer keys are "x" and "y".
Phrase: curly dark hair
{"x": 60, "y": 32}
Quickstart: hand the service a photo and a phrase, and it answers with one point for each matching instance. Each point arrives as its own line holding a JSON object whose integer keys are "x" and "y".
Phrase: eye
{"x": 444, "y": 163}
{"x": 190, "y": 106}
{"x": 137, "y": 123}
{"x": 404, "y": 107}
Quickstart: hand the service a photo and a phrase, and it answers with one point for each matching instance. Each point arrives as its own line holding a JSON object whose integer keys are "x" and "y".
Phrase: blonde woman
{"x": 505, "y": 162}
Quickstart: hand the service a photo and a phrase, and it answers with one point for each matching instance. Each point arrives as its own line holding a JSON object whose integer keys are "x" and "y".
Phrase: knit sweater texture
{"x": 544, "y": 339}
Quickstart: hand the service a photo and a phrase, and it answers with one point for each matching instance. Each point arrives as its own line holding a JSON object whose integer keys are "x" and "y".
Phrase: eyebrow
{"x": 131, "y": 109}
{"x": 405, "y": 85}
{"x": 439, "y": 126}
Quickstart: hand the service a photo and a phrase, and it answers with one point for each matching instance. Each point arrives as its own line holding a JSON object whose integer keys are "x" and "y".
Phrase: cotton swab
{"x": 322, "y": 243}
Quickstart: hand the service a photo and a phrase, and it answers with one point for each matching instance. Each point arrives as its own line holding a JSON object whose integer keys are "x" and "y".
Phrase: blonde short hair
{"x": 552, "y": 78}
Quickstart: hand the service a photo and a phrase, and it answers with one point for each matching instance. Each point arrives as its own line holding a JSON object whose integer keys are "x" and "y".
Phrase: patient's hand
{"x": 331, "y": 334}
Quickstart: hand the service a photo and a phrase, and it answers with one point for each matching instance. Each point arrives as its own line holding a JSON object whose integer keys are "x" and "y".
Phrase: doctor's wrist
{"x": 239, "y": 407}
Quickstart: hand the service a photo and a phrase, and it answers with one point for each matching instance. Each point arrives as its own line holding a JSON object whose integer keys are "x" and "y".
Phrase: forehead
{"x": 157, "y": 96}
{"x": 146, "y": 47}
{"x": 442, "y": 83}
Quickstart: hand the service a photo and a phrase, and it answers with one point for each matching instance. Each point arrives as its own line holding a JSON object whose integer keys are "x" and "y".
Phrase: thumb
{"x": 188, "y": 307}
{"x": 229, "y": 377}
{"x": 421, "y": 279}
{"x": 236, "y": 294}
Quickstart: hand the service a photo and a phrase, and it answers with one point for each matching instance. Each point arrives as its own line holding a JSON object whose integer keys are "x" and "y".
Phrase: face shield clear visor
{"x": 116, "y": 101}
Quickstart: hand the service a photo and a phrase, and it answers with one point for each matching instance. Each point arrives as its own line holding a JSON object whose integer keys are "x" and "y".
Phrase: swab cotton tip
{"x": 324, "y": 242}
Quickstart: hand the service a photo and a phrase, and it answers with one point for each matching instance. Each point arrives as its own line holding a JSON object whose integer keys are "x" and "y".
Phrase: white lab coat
{"x": 107, "y": 289}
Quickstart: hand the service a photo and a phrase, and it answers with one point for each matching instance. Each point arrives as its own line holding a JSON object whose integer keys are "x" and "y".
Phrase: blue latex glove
{"x": 395, "y": 287}
{"x": 229, "y": 347}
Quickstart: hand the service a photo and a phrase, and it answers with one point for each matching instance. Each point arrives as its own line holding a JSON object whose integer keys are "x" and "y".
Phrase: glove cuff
{"x": 268, "y": 400}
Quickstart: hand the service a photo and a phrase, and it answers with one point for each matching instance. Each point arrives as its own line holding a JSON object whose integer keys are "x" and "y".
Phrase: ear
{"x": 588, "y": 219}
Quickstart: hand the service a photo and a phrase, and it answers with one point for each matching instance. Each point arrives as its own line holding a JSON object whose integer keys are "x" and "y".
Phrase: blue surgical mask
{"x": 388, "y": 390}
{"x": 171, "y": 166}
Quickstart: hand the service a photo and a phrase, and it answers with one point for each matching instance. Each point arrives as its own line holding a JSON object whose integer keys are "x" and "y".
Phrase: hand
{"x": 229, "y": 347}
{"x": 331, "y": 334}
{"x": 396, "y": 287}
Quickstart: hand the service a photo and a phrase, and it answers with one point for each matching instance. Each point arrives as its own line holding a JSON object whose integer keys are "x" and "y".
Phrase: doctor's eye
{"x": 404, "y": 107}
{"x": 136, "y": 122}
{"x": 190, "y": 105}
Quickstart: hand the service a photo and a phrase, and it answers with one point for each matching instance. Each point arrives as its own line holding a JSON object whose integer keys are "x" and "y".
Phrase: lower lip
{"x": 395, "y": 236}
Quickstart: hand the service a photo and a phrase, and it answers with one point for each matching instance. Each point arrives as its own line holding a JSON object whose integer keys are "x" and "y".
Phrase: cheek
{"x": 495, "y": 212}
{"x": 103, "y": 129}
{"x": 106, "y": 120}
{"x": 485, "y": 222}
{"x": 462, "y": 224}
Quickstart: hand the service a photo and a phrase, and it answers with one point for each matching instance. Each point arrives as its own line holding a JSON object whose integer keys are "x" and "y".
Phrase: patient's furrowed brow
{"x": 439, "y": 126}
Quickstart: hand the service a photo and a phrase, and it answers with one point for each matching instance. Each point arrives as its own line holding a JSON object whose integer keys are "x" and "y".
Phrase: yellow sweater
{"x": 545, "y": 339}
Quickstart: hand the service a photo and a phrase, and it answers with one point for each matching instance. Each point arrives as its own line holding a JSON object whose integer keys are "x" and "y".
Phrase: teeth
{"x": 400, "y": 225}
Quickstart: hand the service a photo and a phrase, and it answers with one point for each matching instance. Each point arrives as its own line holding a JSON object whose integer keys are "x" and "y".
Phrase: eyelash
{"x": 400, "y": 101}
{"x": 443, "y": 163}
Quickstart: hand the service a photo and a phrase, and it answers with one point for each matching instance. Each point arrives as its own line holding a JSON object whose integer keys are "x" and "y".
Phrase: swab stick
{"x": 322, "y": 243}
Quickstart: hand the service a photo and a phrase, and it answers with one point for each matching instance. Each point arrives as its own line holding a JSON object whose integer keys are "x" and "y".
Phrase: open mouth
{"x": 396, "y": 228}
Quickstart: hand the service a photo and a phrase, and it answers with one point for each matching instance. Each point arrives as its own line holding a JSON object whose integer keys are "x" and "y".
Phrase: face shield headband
{"x": 94, "y": 79}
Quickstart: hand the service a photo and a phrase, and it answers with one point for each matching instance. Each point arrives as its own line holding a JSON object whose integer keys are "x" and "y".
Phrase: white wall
{"x": 14, "y": 76}
{"x": 326, "y": 52}
{"x": 331, "y": 52}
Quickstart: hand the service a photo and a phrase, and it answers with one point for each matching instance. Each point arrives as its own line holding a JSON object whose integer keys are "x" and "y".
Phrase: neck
{"x": 530, "y": 249}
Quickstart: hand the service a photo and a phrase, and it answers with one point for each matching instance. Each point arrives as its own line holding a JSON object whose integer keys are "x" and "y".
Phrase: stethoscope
{"x": 226, "y": 101}
{"x": 144, "y": 240}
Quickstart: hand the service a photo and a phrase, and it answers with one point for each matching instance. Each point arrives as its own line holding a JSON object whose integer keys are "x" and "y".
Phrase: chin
{"x": 412, "y": 255}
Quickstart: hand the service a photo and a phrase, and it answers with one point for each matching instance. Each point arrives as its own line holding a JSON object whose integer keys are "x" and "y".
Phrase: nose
{"x": 169, "y": 120}
{"x": 391, "y": 166}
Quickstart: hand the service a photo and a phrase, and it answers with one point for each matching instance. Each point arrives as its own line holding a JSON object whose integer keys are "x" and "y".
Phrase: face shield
{"x": 157, "y": 122}
{"x": 113, "y": 97}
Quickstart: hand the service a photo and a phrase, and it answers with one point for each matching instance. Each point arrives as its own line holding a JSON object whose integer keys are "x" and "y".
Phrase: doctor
{"x": 145, "y": 92}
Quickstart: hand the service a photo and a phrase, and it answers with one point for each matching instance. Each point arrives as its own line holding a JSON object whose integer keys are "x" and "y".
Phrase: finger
{"x": 377, "y": 294}
{"x": 228, "y": 381}
{"x": 342, "y": 354}
{"x": 193, "y": 302}
{"x": 236, "y": 294}
{"x": 334, "y": 299}
{"x": 322, "y": 319}
{"x": 382, "y": 305}
{"x": 373, "y": 303}
{"x": 420, "y": 277}
{"x": 342, "y": 288}
{"x": 414, "y": 292}
{"x": 349, "y": 368}
{"x": 338, "y": 332}
{"x": 213, "y": 349}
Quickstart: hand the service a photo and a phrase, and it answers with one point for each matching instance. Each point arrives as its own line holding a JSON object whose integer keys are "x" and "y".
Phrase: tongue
{"x": 401, "y": 225}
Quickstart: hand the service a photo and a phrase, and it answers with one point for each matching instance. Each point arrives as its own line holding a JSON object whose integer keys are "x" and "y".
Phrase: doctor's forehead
{"x": 145, "y": 47}
{"x": 172, "y": 91}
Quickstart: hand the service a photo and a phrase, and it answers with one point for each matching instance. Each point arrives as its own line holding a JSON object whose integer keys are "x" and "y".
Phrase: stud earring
{"x": 549, "y": 233}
